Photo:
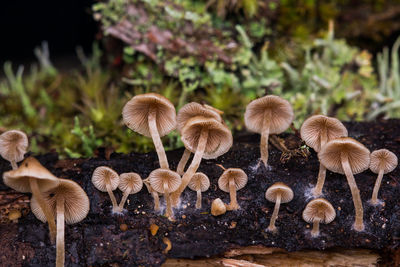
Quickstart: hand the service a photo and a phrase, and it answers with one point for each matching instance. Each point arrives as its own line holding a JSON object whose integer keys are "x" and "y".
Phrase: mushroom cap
{"x": 357, "y": 153}
{"x": 219, "y": 139}
{"x": 280, "y": 110}
{"x": 30, "y": 168}
{"x": 199, "y": 181}
{"x": 314, "y": 126}
{"x": 319, "y": 209}
{"x": 76, "y": 205}
{"x": 279, "y": 188}
{"x": 238, "y": 175}
{"x": 135, "y": 114}
{"x": 104, "y": 175}
{"x": 194, "y": 109}
{"x": 158, "y": 177}
{"x": 218, "y": 207}
{"x": 131, "y": 182}
{"x": 383, "y": 159}
{"x": 13, "y": 145}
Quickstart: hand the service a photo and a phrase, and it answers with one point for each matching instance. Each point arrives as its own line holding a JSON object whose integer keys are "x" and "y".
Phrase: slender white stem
{"x": 272, "y": 226}
{"x": 374, "y": 199}
{"x": 315, "y": 229}
{"x": 168, "y": 211}
{"x": 264, "y": 139}
{"x": 321, "y": 180}
{"x": 162, "y": 157}
{"x": 112, "y": 197}
{"x": 182, "y": 163}
{"x": 123, "y": 200}
{"x": 60, "y": 246}
{"x": 233, "y": 205}
{"x": 198, "y": 201}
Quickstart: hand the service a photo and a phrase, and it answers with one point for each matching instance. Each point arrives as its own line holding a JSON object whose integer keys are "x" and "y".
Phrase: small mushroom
{"x": 165, "y": 182}
{"x": 382, "y": 161}
{"x": 199, "y": 183}
{"x": 316, "y": 131}
{"x": 70, "y": 204}
{"x": 13, "y": 146}
{"x": 14, "y": 215}
{"x": 32, "y": 177}
{"x": 232, "y": 180}
{"x": 347, "y": 156}
{"x": 106, "y": 179}
{"x": 318, "y": 211}
{"x": 278, "y": 193}
{"x": 267, "y": 115}
{"x": 151, "y": 115}
{"x": 129, "y": 183}
{"x": 218, "y": 207}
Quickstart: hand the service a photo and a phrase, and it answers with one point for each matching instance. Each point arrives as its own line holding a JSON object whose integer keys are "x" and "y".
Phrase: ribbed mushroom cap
{"x": 159, "y": 177}
{"x": 356, "y": 152}
{"x": 199, "y": 181}
{"x": 219, "y": 136}
{"x": 316, "y": 125}
{"x": 131, "y": 182}
{"x": 104, "y": 175}
{"x": 279, "y": 188}
{"x": 194, "y": 109}
{"x": 76, "y": 202}
{"x": 30, "y": 168}
{"x": 383, "y": 159}
{"x": 238, "y": 175}
{"x": 319, "y": 209}
{"x": 13, "y": 145}
{"x": 280, "y": 112}
{"x": 136, "y": 114}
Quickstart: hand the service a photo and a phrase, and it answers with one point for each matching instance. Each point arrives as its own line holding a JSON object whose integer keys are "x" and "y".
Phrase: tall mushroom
{"x": 316, "y": 131}
{"x": 232, "y": 180}
{"x": 151, "y": 115}
{"x": 129, "y": 183}
{"x": 70, "y": 204}
{"x": 382, "y": 161}
{"x": 199, "y": 183}
{"x": 32, "y": 177}
{"x": 207, "y": 138}
{"x": 278, "y": 193}
{"x": 347, "y": 156}
{"x": 318, "y": 211}
{"x": 106, "y": 179}
{"x": 267, "y": 115}
{"x": 13, "y": 146}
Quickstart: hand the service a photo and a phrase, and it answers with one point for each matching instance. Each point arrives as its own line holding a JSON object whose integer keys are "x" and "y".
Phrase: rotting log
{"x": 196, "y": 237}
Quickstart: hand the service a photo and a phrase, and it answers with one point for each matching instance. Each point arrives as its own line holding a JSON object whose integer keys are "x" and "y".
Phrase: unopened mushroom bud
{"x": 106, "y": 179}
{"x": 232, "y": 180}
{"x": 199, "y": 183}
{"x": 318, "y": 211}
{"x": 130, "y": 183}
{"x": 13, "y": 146}
{"x": 278, "y": 193}
{"x": 218, "y": 207}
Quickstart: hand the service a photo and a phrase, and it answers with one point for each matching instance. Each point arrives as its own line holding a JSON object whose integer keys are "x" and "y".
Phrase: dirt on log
{"x": 104, "y": 239}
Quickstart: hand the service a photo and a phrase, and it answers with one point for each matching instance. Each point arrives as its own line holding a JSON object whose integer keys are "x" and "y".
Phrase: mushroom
{"x": 318, "y": 211}
{"x": 267, "y": 115}
{"x": 278, "y": 193}
{"x": 207, "y": 138}
{"x": 199, "y": 183}
{"x": 347, "y": 156}
{"x": 13, "y": 146}
{"x": 153, "y": 193}
{"x": 106, "y": 179}
{"x": 70, "y": 204}
{"x": 316, "y": 131}
{"x": 218, "y": 207}
{"x": 129, "y": 183}
{"x": 382, "y": 161}
{"x": 32, "y": 177}
{"x": 232, "y": 180}
{"x": 165, "y": 182}
{"x": 151, "y": 115}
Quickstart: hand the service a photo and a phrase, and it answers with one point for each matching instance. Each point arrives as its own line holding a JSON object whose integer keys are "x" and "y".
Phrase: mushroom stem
{"x": 182, "y": 163}
{"x": 315, "y": 229}
{"x": 374, "y": 199}
{"x": 162, "y": 157}
{"x": 201, "y": 147}
{"x": 264, "y": 140}
{"x": 123, "y": 200}
{"x": 112, "y": 197}
{"x": 14, "y": 165}
{"x": 168, "y": 211}
{"x": 198, "y": 201}
{"x": 358, "y": 224}
{"x": 153, "y": 193}
{"x": 45, "y": 208}
{"x": 60, "y": 246}
{"x": 321, "y": 180}
{"x": 272, "y": 226}
{"x": 233, "y": 205}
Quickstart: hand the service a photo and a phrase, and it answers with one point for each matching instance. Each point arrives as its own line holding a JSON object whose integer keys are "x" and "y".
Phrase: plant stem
{"x": 264, "y": 139}
{"x": 317, "y": 191}
{"x": 60, "y": 258}
{"x": 315, "y": 229}
{"x": 198, "y": 201}
{"x": 374, "y": 199}
{"x": 112, "y": 197}
{"x": 233, "y": 205}
{"x": 168, "y": 211}
{"x": 162, "y": 157}
{"x": 272, "y": 226}
{"x": 123, "y": 200}
{"x": 182, "y": 163}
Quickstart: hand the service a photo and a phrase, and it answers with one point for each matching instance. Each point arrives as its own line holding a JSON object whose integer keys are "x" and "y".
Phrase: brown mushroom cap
{"x": 357, "y": 154}
{"x": 319, "y": 209}
{"x": 159, "y": 177}
{"x": 316, "y": 125}
{"x": 13, "y": 145}
{"x": 30, "y": 168}
{"x": 199, "y": 181}
{"x": 104, "y": 175}
{"x": 218, "y": 207}
{"x": 219, "y": 136}
{"x": 238, "y": 175}
{"x": 279, "y": 188}
{"x": 194, "y": 109}
{"x": 281, "y": 114}
{"x": 76, "y": 202}
{"x": 136, "y": 114}
{"x": 131, "y": 182}
{"x": 383, "y": 159}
